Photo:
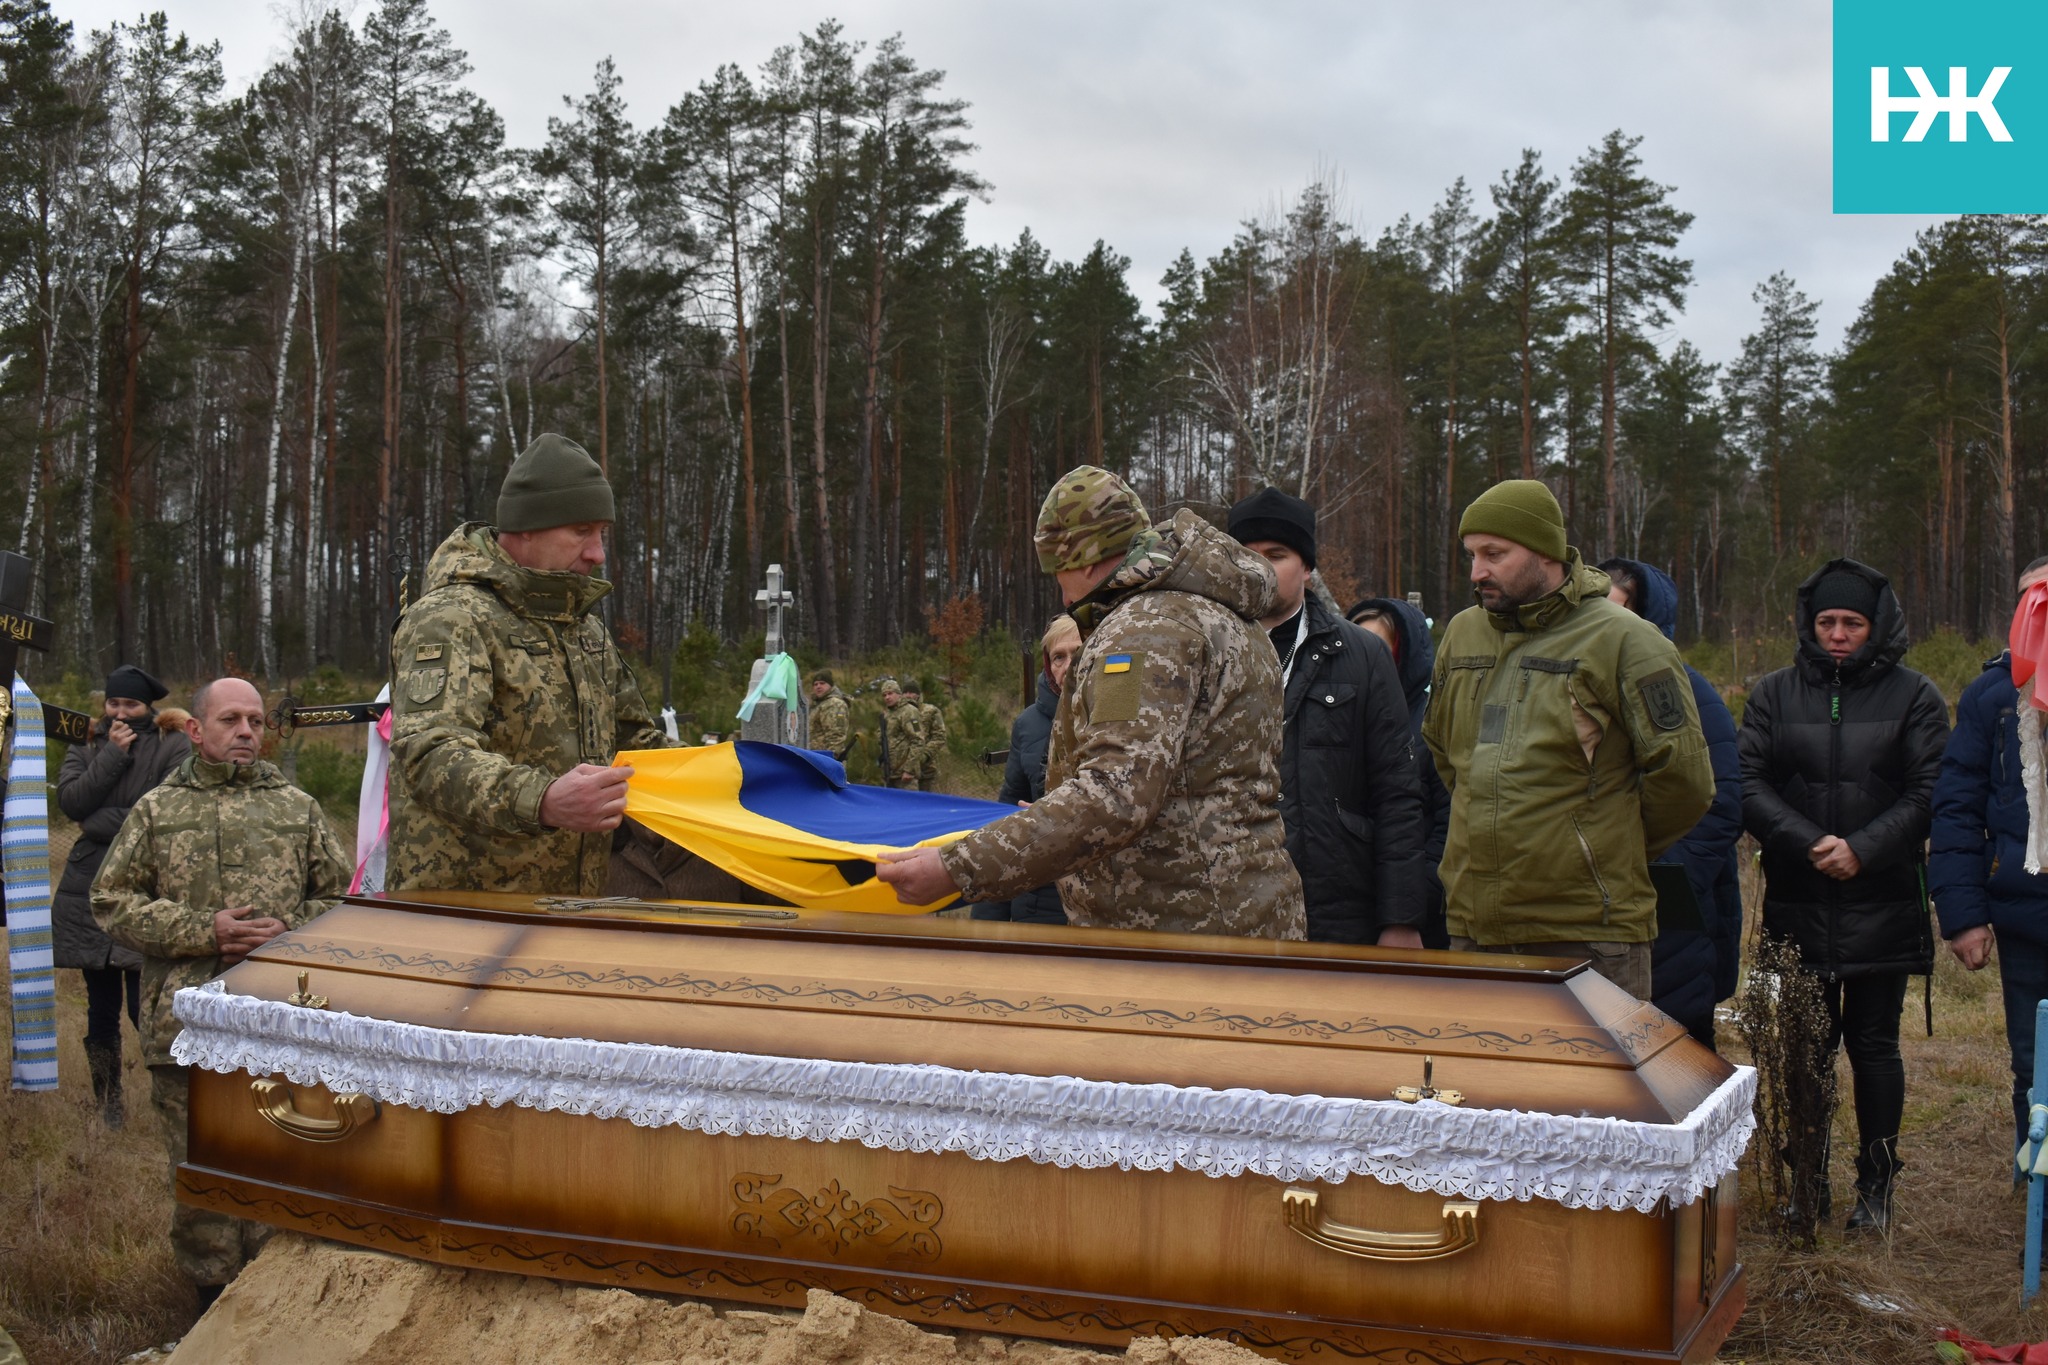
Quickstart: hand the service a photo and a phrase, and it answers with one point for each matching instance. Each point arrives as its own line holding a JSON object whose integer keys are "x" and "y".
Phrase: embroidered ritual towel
{"x": 25, "y": 863}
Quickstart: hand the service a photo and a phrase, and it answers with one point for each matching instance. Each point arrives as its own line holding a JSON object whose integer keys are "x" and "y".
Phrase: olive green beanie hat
{"x": 1521, "y": 510}
{"x": 554, "y": 482}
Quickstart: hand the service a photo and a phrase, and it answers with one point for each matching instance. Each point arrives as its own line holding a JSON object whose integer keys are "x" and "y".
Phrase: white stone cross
{"x": 774, "y": 597}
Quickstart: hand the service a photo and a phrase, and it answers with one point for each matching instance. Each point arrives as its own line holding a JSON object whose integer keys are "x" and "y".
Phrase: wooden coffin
{"x": 1316, "y": 1152}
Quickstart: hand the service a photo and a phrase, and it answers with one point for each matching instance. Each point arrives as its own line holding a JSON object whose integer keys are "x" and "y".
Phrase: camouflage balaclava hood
{"x": 1089, "y": 516}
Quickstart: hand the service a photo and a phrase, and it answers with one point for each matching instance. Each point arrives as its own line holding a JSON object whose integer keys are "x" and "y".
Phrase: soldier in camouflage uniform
{"x": 220, "y": 858}
{"x": 902, "y": 735}
{"x": 509, "y": 698}
{"x": 831, "y": 721}
{"x": 934, "y": 737}
{"x": 1162, "y": 789}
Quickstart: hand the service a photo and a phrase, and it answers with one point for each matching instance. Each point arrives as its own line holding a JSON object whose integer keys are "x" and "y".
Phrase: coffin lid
{"x": 1538, "y": 1035}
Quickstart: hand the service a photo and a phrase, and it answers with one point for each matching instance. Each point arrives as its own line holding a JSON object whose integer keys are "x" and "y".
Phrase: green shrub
{"x": 1952, "y": 661}
{"x": 973, "y": 728}
{"x": 331, "y": 776}
{"x": 1714, "y": 659}
{"x": 327, "y": 685}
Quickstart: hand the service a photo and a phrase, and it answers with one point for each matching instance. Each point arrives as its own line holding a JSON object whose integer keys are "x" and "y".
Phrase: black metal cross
{"x": 17, "y": 627}
{"x": 18, "y": 631}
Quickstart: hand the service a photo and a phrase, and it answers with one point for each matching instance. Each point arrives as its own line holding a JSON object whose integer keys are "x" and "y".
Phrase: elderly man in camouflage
{"x": 509, "y": 698}
{"x": 219, "y": 859}
{"x": 1161, "y": 806}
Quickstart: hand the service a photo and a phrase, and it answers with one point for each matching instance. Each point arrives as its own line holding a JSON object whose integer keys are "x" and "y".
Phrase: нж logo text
{"x": 1924, "y": 104}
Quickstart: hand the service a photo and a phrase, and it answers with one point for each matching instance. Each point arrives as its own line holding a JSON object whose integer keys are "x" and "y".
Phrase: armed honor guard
{"x": 903, "y": 737}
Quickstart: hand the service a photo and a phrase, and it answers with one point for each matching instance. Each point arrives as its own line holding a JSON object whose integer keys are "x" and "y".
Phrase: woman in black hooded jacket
{"x": 1839, "y": 756}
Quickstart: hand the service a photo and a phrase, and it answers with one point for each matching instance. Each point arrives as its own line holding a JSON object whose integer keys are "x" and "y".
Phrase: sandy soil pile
{"x": 318, "y": 1303}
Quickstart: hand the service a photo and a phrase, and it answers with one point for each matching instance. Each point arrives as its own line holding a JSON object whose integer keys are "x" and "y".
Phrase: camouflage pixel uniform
{"x": 503, "y": 679}
{"x": 1162, "y": 789}
{"x": 831, "y": 725}
{"x": 212, "y": 836}
{"x": 934, "y": 745}
{"x": 902, "y": 742}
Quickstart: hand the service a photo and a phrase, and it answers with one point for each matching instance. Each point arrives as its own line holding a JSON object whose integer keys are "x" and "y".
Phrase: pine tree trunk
{"x": 1608, "y": 362}
{"x": 123, "y": 492}
{"x": 821, "y": 355}
{"x": 603, "y": 387}
{"x": 792, "y": 538}
{"x": 266, "y": 547}
{"x": 864, "y": 582}
{"x": 387, "y": 453}
{"x": 741, "y": 355}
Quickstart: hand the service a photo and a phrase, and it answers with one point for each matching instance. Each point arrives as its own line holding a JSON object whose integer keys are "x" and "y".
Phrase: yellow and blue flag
{"x": 786, "y": 821}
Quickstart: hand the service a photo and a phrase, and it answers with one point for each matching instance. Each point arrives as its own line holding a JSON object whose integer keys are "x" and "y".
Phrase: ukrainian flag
{"x": 786, "y": 820}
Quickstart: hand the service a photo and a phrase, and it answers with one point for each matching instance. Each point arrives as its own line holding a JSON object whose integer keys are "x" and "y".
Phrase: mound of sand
{"x": 320, "y": 1303}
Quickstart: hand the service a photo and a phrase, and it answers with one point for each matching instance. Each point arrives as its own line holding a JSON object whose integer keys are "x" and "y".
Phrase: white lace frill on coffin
{"x": 1467, "y": 1153}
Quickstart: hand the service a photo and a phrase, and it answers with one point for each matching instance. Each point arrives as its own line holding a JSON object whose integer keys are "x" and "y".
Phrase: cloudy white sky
{"x": 1162, "y": 124}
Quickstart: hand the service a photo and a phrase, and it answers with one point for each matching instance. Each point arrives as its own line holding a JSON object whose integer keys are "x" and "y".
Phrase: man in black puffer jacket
{"x": 1692, "y": 969}
{"x": 1349, "y": 789}
{"x": 1400, "y": 625}
{"x": 1839, "y": 758}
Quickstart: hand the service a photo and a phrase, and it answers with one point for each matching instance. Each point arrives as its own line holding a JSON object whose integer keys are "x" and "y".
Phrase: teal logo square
{"x": 1940, "y": 109}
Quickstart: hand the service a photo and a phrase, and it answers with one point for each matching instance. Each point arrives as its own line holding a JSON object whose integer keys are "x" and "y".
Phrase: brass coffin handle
{"x": 352, "y": 1111}
{"x": 1460, "y": 1231}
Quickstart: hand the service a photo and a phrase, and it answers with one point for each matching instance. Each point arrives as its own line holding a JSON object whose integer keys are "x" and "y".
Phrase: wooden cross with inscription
{"x": 18, "y": 631}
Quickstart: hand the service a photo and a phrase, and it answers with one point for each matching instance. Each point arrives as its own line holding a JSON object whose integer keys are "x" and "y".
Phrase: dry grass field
{"x": 86, "y": 1277}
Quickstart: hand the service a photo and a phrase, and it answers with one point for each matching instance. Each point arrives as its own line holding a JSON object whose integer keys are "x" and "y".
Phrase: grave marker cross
{"x": 774, "y": 597}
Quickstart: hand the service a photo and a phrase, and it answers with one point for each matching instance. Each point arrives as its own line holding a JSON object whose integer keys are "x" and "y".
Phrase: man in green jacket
{"x": 211, "y": 864}
{"x": 1564, "y": 727}
{"x": 509, "y": 698}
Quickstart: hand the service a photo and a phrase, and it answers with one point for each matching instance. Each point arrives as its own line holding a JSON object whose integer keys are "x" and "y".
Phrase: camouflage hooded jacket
{"x": 211, "y": 836}
{"x": 903, "y": 740}
{"x": 502, "y": 680}
{"x": 830, "y": 723}
{"x": 1162, "y": 788}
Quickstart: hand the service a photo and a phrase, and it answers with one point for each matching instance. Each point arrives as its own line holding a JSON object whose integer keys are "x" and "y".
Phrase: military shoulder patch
{"x": 1665, "y": 703}
{"x": 1119, "y": 681}
{"x": 425, "y": 686}
{"x": 427, "y": 652}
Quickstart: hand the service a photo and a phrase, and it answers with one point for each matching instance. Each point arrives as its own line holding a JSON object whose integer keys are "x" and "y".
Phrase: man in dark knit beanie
{"x": 510, "y": 699}
{"x": 1564, "y": 728}
{"x": 1350, "y": 788}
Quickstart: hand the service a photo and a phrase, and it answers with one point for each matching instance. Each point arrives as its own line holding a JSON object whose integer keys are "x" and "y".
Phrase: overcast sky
{"x": 1155, "y": 126}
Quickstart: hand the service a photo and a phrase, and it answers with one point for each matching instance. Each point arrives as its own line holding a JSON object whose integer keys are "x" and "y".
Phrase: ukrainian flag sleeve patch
{"x": 1118, "y": 680}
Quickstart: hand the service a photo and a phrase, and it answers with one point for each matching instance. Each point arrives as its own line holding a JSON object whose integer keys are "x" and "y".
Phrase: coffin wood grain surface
{"x": 1534, "y": 1034}
{"x": 1084, "y": 1255}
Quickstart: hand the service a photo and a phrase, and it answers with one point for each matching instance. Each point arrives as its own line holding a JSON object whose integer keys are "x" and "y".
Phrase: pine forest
{"x": 264, "y": 348}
